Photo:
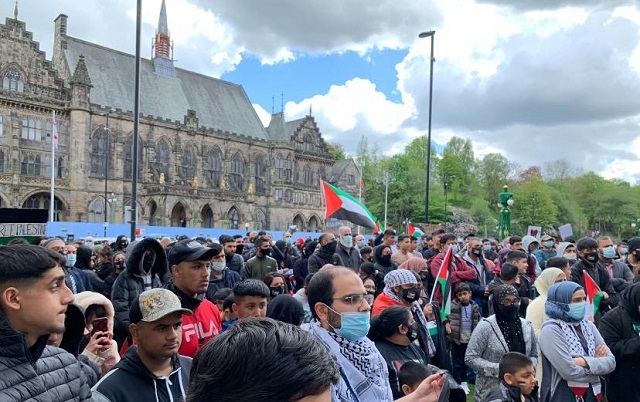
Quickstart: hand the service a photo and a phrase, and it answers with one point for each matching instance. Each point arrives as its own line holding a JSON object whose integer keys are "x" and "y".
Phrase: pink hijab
{"x": 414, "y": 264}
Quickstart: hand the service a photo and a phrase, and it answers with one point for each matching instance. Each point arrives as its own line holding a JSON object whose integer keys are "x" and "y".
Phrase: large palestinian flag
{"x": 594, "y": 296}
{"x": 341, "y": 205}
{"x": 414, "y": 230}
{"x": 443, "y": 283}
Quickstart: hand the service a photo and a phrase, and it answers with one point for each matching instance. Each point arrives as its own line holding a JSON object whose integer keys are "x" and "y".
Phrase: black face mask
{"x": 510, "y": 311}
{"x": 265, "y": 251}
{"x": 330, "y": 247}
{"x": 124, "y": 244}
{"x": 275, "y": 291}
{"x": 591, "y": 258}
{"x": 119, "y": 266}
{"x": 476, "y": 251}
{"x": 385, "y": 259}
{"x": 412, "y": 333}
{"x": 411, "y": 295}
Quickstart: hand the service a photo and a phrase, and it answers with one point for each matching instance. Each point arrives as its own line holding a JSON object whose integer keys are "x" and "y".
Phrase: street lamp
{"x": 112, "y": 203}
{"x": 505, "y": 202}
{"x": 106, "y": 171}
{"x": 429, "y": 34}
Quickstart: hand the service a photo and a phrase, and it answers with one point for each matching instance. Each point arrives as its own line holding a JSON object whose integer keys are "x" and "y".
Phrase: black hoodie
{"x": 131, "y": 282}
{"x": 130, "y": 380}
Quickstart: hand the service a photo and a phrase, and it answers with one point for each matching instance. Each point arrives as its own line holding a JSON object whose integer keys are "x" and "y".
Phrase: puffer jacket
{"x": 130, "y": 282}
{"x": 41, "y": 373}
{"x": 455, "y": 319}
{"x": 131, "y": 380}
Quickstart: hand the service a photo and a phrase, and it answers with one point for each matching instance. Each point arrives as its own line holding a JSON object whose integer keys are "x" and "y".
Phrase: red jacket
{"x": 382, "y": 302}
{"x": 199, "y": 328}
{"x": 461, "y": 272}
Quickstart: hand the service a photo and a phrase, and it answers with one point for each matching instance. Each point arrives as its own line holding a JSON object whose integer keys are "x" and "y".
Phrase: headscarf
{"x": 414, "y": 264}
{"x": 630, "y": 300}
{"x": 558, "y": 300}
{"x": 546, "y": 279}
{"x": 309, "y": 249}
{"x": 378, "y": 256}
{"x": 368, "y": 268}
{"x": 286, "y": 308}
{"x": 509, "y": 324}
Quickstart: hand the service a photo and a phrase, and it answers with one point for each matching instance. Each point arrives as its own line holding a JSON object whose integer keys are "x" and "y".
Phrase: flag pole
{"x": 360, "y": 193}
{"x": 54, "y": 141}
{"x": 433, "y": 291}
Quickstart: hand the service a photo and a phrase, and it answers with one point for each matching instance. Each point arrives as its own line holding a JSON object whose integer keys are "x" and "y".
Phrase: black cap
{"x": 190, "y": 250}
{"x": 633, "y": 244}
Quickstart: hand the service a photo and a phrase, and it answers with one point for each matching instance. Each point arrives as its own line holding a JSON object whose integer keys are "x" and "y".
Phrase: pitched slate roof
{"x": 338, "y": 168}
{"x": 277, "y": 129}
{"x": 219, "y": 105}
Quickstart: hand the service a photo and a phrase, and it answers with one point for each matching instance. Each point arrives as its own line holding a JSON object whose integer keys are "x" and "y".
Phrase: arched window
{"x": 153, "y": 209}
{"x": 261, "y": 175}
{"x": 128, "y": 160}
{"x": 163, "y": 159}
{"x": 96, "y": 211}
{"x": 188, "y": 168}
{"x": 237, "y": 172}
{"x": 307, "y": 176}
{"x": 207, "y": 217}
{"x": 60, "y": 168}
{"x": 234, "y": 218}
{"x": 308, "y": 144}
{"x": 99, "y": 153}
{"x": 213, "y": 168}
{"x": 12, "y": 80}
{"x": 261, "y": 220}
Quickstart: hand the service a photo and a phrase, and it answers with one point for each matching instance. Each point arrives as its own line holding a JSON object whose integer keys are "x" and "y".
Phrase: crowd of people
{"x": 341, "y": 317}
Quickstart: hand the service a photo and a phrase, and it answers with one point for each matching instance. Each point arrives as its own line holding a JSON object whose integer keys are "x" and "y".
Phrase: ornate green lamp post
{"x": 505, "y": 201}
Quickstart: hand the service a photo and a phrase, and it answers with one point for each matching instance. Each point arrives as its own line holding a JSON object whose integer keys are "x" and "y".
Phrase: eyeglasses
{"x": 352, "y": 300}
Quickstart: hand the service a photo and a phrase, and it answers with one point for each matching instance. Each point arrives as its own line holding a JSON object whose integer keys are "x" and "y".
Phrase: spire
{"x": 310, "y": 109}
{"x": 81, "y": 74}
{"x": 15, "y": 11}
{"x": 163, "y": 27}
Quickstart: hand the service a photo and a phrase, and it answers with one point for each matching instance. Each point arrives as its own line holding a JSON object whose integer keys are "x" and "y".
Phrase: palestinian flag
{"x": 594, "y": 296}
{"x": 414, "y": 230}
{"x": 580, "y": 389}
{"x": 341, "y": 205}
{"x": 379, "y": 228}
{"x": 443, "y": 283}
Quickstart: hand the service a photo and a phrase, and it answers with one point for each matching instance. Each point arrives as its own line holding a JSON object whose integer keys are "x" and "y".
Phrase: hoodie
{"x": 135, "y": 279}
{"x": 130, "y": 380}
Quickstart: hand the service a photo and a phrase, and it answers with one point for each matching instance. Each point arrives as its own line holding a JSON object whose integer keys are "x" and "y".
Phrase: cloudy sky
{"x": 538, "y": 81}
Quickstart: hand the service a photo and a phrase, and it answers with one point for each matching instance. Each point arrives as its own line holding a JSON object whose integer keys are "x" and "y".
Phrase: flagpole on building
{"x": 54, "y": 143}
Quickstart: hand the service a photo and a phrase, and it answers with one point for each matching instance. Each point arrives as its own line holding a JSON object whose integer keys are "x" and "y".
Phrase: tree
{"x": 534, "y": 204}
{"x": 336, "y": 150}
{"x": 493, "y": 174}
{"x": 532, "y": 172}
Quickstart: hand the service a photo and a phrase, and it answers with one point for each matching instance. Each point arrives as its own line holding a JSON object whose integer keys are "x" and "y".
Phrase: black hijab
{"x": 508, "y": 319}
{"x": 287, "y": 309}
{"x": 630, "y": 300}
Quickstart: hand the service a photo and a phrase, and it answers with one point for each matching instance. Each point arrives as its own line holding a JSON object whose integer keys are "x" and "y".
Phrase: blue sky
{"x": 534, "y": 80}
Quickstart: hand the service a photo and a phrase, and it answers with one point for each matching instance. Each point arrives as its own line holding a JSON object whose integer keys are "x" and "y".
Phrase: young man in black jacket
{"x": 152, "y": 370}
{"x": 33, "y": 302}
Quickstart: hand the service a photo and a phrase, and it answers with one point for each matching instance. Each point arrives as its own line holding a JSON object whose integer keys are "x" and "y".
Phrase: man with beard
{"x": 190, "y": 264}
{"x": 588, "y": 262}
{"x": 234, "y": 261}
{"x": 325, "y": 254}
{"x": 261, "y": 264}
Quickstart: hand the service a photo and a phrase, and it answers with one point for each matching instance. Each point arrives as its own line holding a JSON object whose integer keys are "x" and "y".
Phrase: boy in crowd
{"x": 250, "y": 298}
{"x": 411, "y": 375}
{"x": 228, "y": 316}
{"x": 517, "y": 380}
{"x": 519, "y": 259}
{"x": 465, "y": 315}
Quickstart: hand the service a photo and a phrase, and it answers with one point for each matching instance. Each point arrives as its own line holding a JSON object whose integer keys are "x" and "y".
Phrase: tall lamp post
{"x": 505, "y": 202}
{"x": 428, "y": 34}
{"x": 106, "y": 173}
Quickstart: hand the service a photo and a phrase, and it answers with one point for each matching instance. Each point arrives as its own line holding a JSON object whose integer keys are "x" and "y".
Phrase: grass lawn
{"x": 471, "y": 391}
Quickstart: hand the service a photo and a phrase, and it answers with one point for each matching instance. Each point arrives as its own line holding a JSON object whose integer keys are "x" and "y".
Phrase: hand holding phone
{"x": 99, "y": 325}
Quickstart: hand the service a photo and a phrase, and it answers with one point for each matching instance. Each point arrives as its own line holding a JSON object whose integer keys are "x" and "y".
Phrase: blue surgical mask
{"x": 88, "y": 244}
{"x": 362, "y": 243}
{"x": 486, "y": 247}
{"x": 548, "y": 244}
{"x": 577, "y": 310}
{"x": 218, "y": 266}
{"x": 71, "y": 260}
{"x": 455, "y": 248}
{"x": 354, "y": 325}
{"x": 609, "y": 252}
{"x": 346, "y": 241}
{"x": 624, "y": 251}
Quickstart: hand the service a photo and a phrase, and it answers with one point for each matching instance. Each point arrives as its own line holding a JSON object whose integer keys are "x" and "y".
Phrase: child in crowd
{"x": 411, "y": 375}
{"x": 517, "y": 380}
{"x": 465, "y": 315}
{"x": 229, "y": 317}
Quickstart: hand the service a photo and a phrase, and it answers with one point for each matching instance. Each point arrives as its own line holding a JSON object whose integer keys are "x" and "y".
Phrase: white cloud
{"x": 265, "y": 117}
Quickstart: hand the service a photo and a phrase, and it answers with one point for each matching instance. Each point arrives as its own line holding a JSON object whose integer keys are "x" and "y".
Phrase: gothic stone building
{"x": 204, "y": 157}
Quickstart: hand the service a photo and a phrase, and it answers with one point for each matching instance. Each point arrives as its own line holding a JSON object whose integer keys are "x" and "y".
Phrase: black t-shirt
{"x": 395, "y": 356}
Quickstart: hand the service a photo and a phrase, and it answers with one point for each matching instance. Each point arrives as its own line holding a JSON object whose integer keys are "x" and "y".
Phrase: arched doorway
{"x": 261, "y": 220}
{"x": 179, "y": 216}
{"x": 314, "y": 224}
{"x": 42, "y": 201}
{"x": 153, "y": 211}
{"x": 207, "y": 217}
{"x": 234, "y": 218}
{"x": 298, "y": 221}
{"x": 96, "y": 211}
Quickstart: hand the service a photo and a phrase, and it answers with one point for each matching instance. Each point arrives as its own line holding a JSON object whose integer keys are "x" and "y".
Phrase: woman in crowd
{"x": 574, "y": 354}
{"x": 277, "y": 284}
{"x": 105, "y": 262}
{"x": 383, "y": 262}
{"x": 496, "y": 335}
{"x": 84, "y": 263}
{"x": 286, "y": 309}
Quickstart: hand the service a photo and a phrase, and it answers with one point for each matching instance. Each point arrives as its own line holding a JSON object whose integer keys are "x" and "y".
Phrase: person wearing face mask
{"x": 382, "y": 258}
{"x": 346, "y": 250}
{"x": 359, "y": 241}
{"x": 473, "y": 255}
{"x": 146, "y": 268}
{"x": 261, "y": 264}
{"x": 118, "y": 266}
{"x": 620, "y": 329}
{"x": 221, "y": 276}
{"x": 81, "y": 279}
{"x": 496, "y": 335}
{"x": 588, "y": 262}
{"x": 574, "y": 355}
{"x": 632, "y": 259}
{"x": 402, "y": 289}
{"x": 567, "y": 250}
{"x": 325, "y": 254}
{"x": 460, "y": 270}
{"x": 394, "y": 333}
{"x": 545, "y": 251}
{"x": 620, "y": 274}
{"x": 277, "y": 284}
{"x": 488, "y": 250}
{"x": 336, "y": 297}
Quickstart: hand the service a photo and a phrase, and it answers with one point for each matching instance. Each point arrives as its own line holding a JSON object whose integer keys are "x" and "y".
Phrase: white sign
{"x": 22, "y": 229}
{"x": 535, "y": 231}
{"x": 565, "y": 231}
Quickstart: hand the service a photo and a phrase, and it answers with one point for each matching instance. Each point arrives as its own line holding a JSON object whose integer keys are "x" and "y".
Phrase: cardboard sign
{"x": 22, "y": 229}
{"x": 565, "y": 231}
{"x": 535, "y": 231}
